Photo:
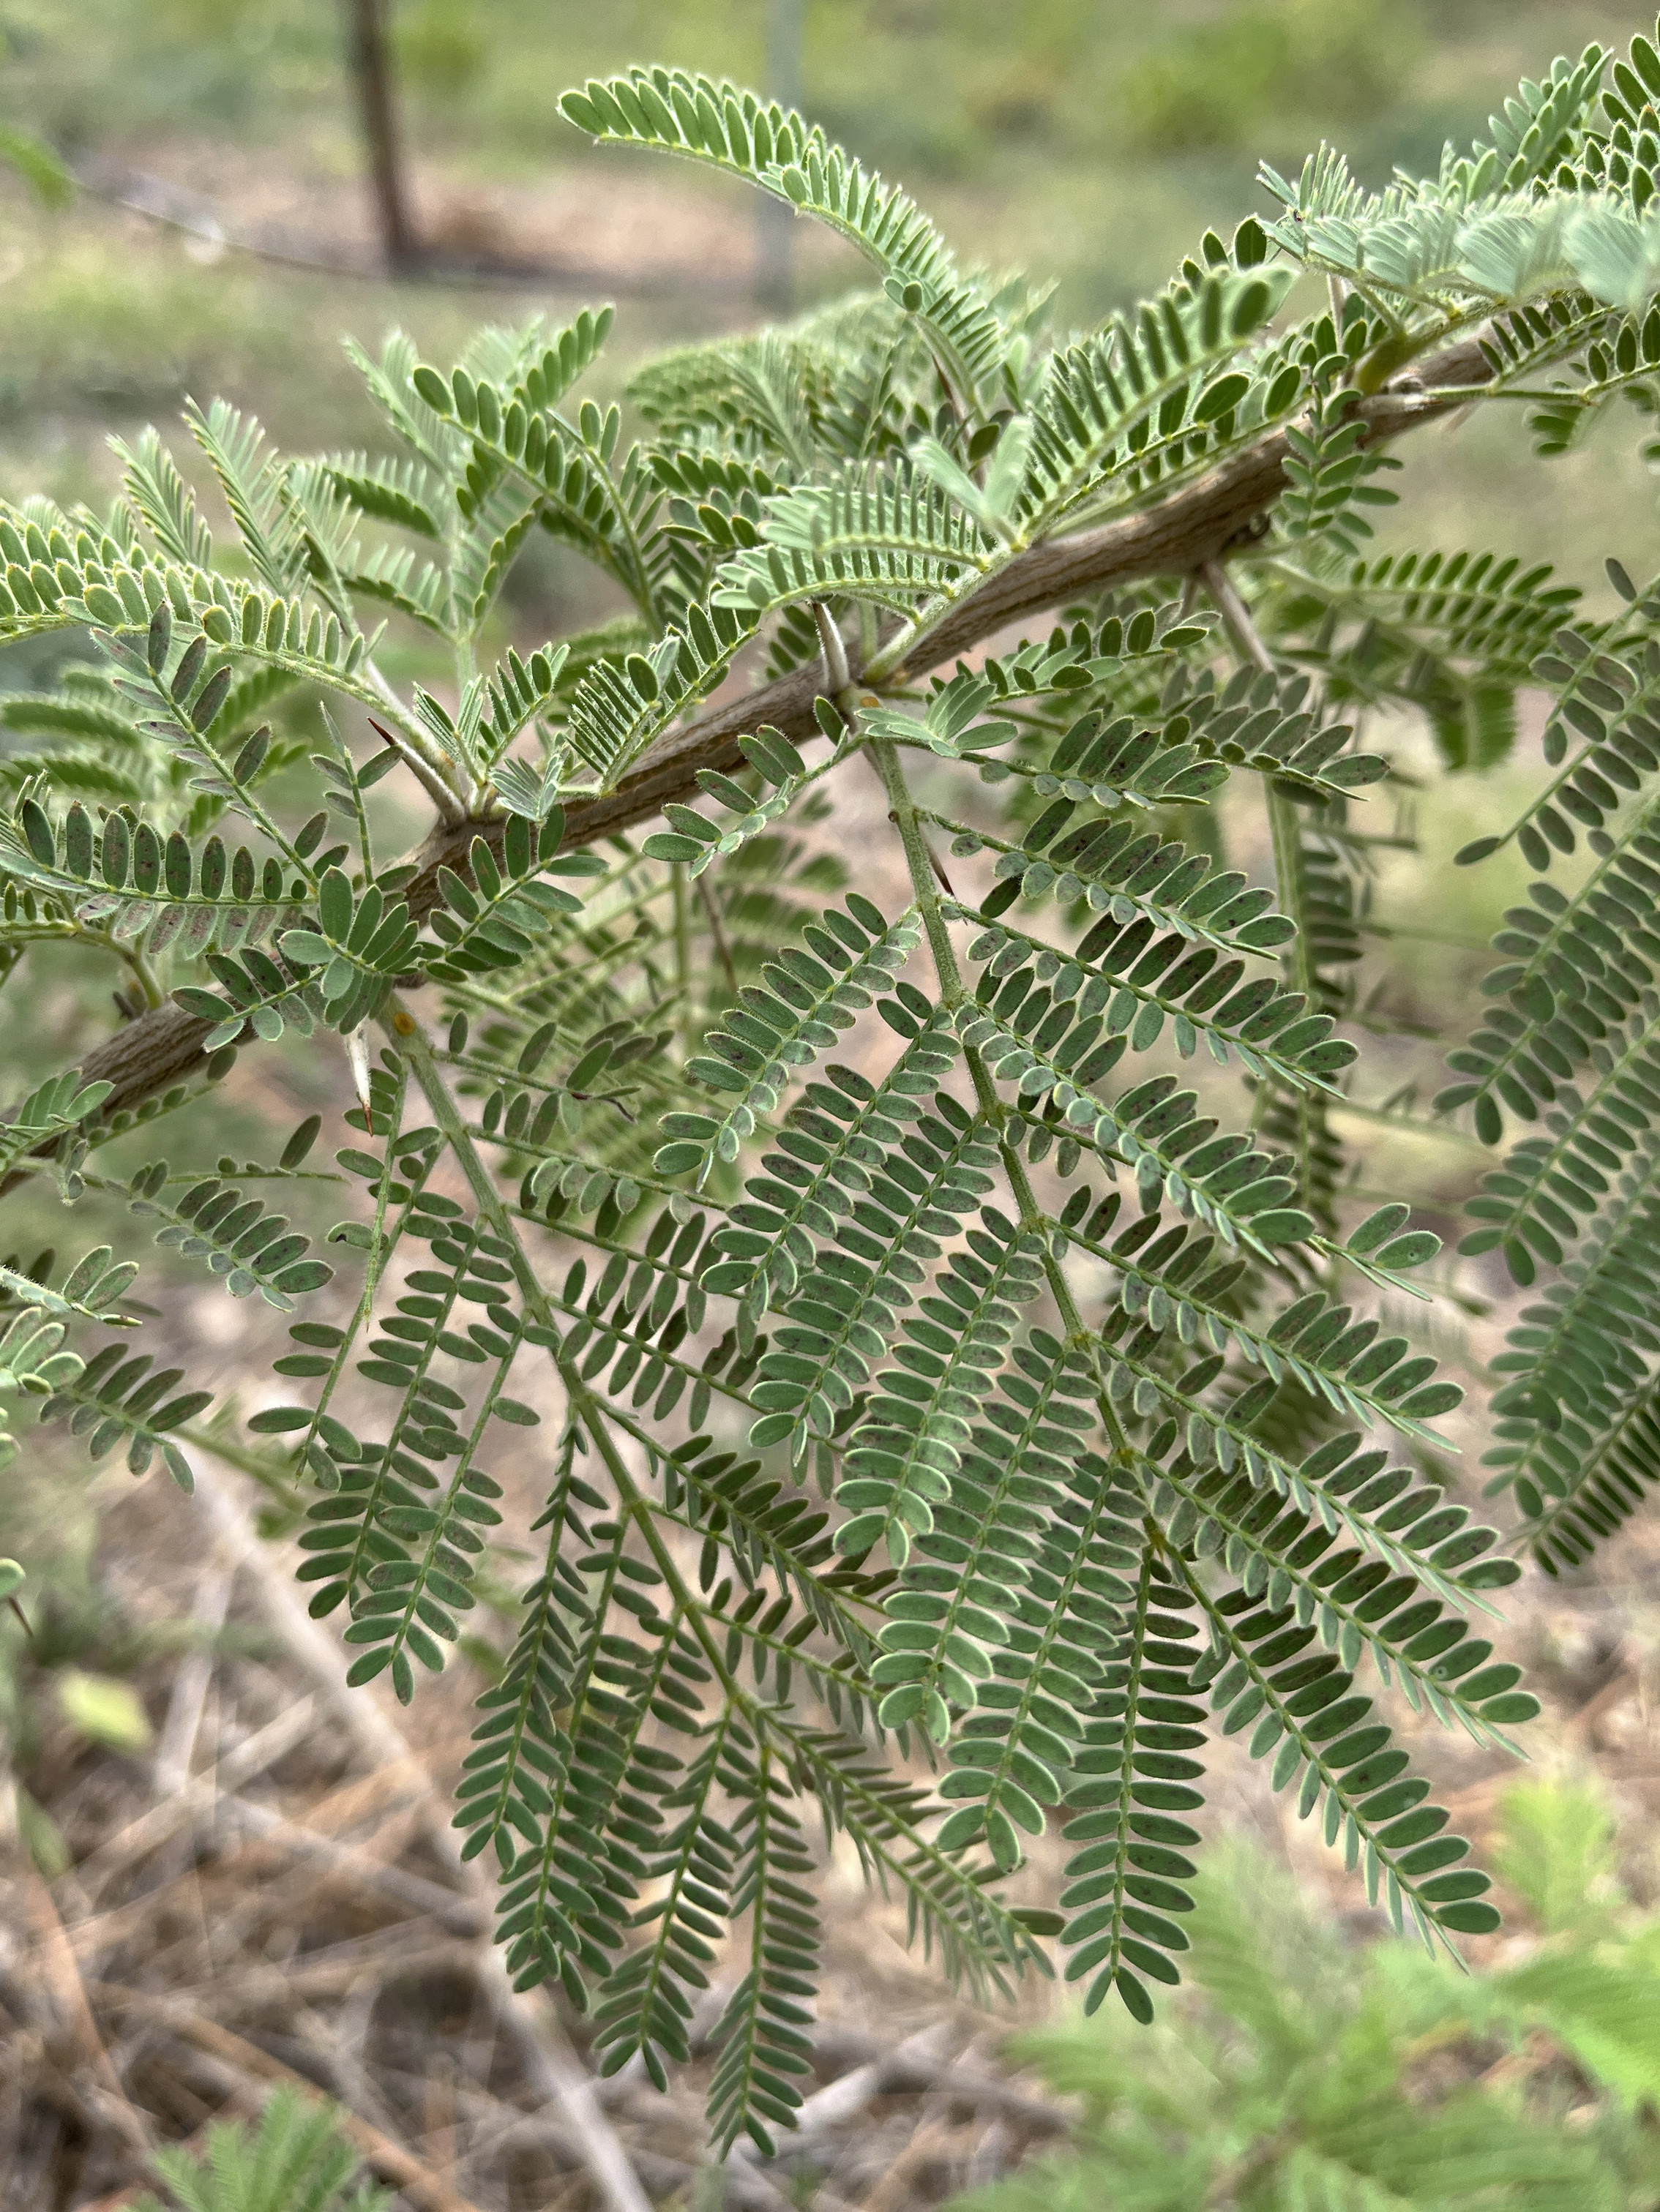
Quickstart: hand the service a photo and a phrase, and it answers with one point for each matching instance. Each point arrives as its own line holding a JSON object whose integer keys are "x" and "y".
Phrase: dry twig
{"x": 62, "y": 1976}
{"x": 239, "y": 2062}
{"x": 260, "y": 1750}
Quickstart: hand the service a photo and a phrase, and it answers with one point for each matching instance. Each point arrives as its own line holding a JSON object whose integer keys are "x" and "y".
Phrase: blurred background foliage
{"x": 1091, "y": 141}
{"x": 1315, "y": 2068}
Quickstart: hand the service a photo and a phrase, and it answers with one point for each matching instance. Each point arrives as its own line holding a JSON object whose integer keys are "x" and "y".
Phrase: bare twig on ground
{"x": 238, "y": 2061}
{"x": 931, "y": 2138}
{"x": 62, "y": 1977}
{"x": 177, "y": 1743}
{"x": 905, "y": 2068}
{"x": 838, "y": 2101}
{"x": 990, "y": 2155}
{"x": 240, "y": 2104}
{"x": 1582, "y": 1728}
{"x": 261, "y": 1750}
{"x": 460, "y": 1915}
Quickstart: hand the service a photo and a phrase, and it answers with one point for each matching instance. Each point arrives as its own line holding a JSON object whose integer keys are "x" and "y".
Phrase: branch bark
{"x": 1194, "y": 526}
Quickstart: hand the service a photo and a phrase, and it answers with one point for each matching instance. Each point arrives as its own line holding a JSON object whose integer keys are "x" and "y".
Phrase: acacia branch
{"x": 1194, "y": 526}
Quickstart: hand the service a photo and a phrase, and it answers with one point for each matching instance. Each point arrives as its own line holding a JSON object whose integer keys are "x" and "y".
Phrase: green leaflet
{"x": 805, "y": 999}
{"x": 925, "y": 1363}
{"x": 773, "y": 147}
{"x": 1133, "y": 875}
{"x": 1535, "y": 1205}
{"x": 1574, "y": 1437}
{"x": 1132, "y": 982}
{"x": 494, "y": 921}
{"x": 839, "y": 1130}
{"x": 761, "y": 388}
{"x": 140, "y": 882}
{"x": 59, "y": 1105}
{"x": 1479, "y": 606}
{"x": 1098, "y": 399}
{"x": 1606, "y": 681}
{"x": 762, "y": 2035}
{"x": 298, "y": 2145}
{"x": 1331, "y": 471}
{"x": 1412, "y": 1529}
{"x": 1011, "y": 1539}
{"x": 1284, "y": 1554}
{"x": 115, "y": 1398}
{"x": 31, "y": 1358}
{"x": 893, "y": 540}
{"x": 900, "y": 1458}
{"x": 400, "y": 491}
{"x": 1221, "y": 1181}
{"x": 618, "y": 708}
{"x": 1576, "y": 970}
{"x": 1014, "y": 1755}
{"x": 838, "y": 1322}
{"x": 1171, "y": 1278}
{"x": 696, "y": 841}
{"x": 1132, "y": 1775}
{"x": 213, "y": 1220}
{"x": 1259, "y": 1674}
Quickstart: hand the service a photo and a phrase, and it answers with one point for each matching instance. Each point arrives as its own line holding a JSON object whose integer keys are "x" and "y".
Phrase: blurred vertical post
{"x": 371, "y": 69}
{"x": 775, "y": 236}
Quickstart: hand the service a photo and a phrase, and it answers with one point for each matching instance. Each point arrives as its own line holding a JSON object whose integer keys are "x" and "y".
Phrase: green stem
{"x": 278, "y": 1485}
{"x": 901, "y": 810}
{"x": 1391, "y": 354}
{"x": 413, "y": 1044}
{"x": 954, "y": 992}
{"x": 1286, "y": 836}
{"x": 638, "y": 1509}
{"x": 411, "y": 1041}
{"x": 342, "y": 753}
{"x": 683, "y": 958}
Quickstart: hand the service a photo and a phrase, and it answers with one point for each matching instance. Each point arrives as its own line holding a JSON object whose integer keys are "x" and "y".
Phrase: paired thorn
{"x": 939, "y": 868}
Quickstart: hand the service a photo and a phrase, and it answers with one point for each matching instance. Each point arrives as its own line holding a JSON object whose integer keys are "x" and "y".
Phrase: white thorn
{"x": 357, "y": 1052}
{"x": 830, "y": 639}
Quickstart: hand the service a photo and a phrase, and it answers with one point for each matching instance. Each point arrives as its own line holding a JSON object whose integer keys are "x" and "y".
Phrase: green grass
{"x": 1309, "y": 2072}
{"x": 1093, "y": 143}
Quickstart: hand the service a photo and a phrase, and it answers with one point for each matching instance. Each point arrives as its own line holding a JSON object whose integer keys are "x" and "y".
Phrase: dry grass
{"x": 274, "y": 1895}
{"x": 271, "y": 1893}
